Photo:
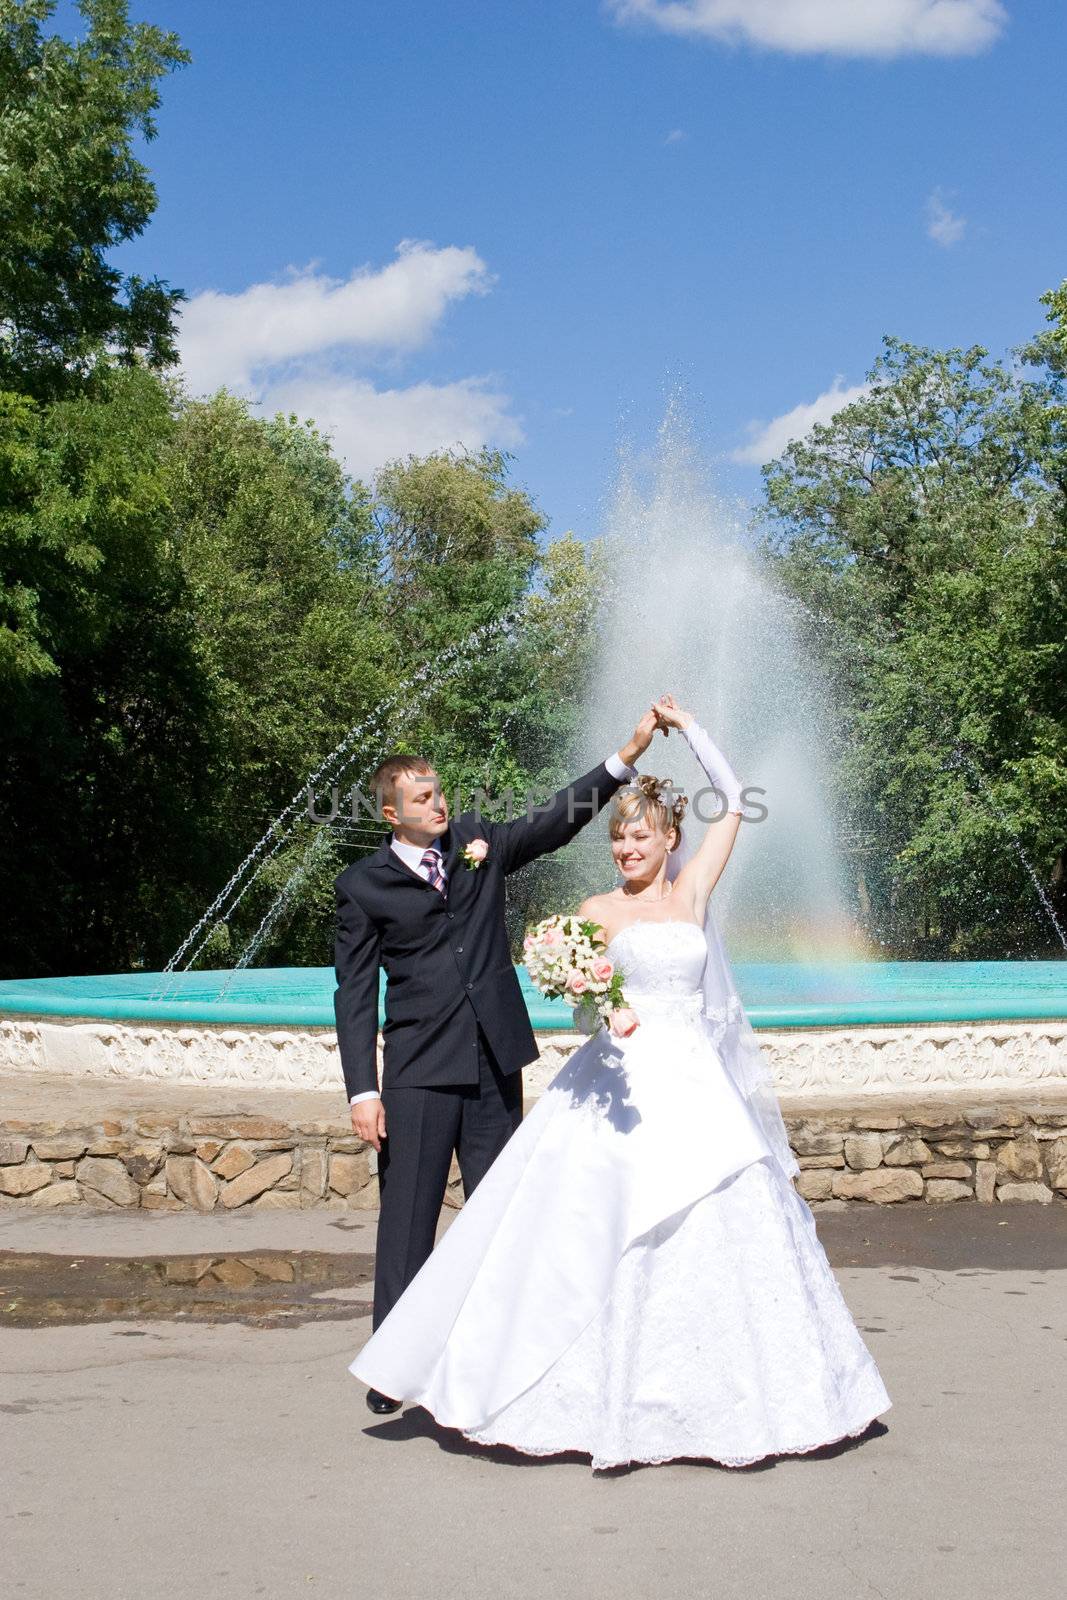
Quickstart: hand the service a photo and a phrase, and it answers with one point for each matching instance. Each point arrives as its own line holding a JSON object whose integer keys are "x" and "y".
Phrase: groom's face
{"x": 421, "y": 808}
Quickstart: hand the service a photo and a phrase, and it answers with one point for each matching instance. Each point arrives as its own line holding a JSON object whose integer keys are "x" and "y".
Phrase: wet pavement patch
{"x": 279, "y": 1289}
{"x": 264, "y": 1289}
{"x": 964, "y": 1237}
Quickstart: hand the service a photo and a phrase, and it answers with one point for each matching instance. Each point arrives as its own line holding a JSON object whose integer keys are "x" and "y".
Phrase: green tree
{"x": 196, "y": 604}
{"x": 289, "y": 613}
{"x": 104, "y": 705}
{"x": 320, "y": 607}
{"x": 1050, "y": 346}
{"x": 72, "y": 189}
{"x": 461, "y": 553}
{"x": 923, "y": 527}
{"x": 279, "y": 558}
{"x": 492, "y": 624}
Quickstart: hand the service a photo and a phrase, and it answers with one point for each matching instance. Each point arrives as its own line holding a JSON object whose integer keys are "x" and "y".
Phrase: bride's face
{"x": 640, "y": 849}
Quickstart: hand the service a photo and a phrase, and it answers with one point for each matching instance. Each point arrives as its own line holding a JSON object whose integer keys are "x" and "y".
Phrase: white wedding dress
{"x": 636, "y": 1277}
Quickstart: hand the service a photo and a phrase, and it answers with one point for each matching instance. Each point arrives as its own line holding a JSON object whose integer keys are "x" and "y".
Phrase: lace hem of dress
{"x": 723, "y": 1017}
{"x": 605, "y": 1464}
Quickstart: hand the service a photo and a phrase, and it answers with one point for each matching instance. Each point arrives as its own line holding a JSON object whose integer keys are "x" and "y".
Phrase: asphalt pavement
{"x": 176, "y": 1417}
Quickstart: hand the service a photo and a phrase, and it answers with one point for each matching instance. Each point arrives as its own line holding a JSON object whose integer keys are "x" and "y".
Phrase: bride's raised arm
{"x": 702, "y": 872}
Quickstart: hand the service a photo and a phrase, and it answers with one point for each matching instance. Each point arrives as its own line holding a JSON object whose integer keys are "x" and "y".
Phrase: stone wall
{"x": 177, "y": 1159}
{"x": 163, "y": 1162}
{"x": 936, "y": 1152}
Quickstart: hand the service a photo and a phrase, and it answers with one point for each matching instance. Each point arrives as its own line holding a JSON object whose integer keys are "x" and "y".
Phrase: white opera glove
{"x": 715, "y": 764}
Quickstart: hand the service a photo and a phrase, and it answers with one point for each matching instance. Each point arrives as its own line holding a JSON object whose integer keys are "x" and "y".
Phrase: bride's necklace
{"x": 638, "y": 900}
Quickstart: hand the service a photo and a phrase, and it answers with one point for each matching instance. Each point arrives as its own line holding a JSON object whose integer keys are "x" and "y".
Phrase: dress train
{"x": 636, "y": 1277}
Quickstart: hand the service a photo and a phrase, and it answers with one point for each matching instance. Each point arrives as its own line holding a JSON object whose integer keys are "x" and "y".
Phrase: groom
{"x": 456, "y": 1031}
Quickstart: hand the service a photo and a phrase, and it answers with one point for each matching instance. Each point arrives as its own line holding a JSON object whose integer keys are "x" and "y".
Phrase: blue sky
{"x": 738, "y": 195}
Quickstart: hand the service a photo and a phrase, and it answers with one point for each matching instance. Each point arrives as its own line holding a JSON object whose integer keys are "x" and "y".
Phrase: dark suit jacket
{"x": 446, "y": 957}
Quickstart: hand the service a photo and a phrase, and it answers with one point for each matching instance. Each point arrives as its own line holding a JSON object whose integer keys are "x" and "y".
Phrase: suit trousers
{"x": 423, "y": 1129}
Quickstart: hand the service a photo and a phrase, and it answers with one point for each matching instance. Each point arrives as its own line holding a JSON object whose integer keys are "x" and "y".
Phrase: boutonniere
{"x": 475, "y": 853}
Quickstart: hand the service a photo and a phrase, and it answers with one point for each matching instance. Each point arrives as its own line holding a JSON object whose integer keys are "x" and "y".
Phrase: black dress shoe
{"x": 381, "y": 1404}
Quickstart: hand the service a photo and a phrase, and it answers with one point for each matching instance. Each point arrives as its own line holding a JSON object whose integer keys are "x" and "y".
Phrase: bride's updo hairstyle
{"x": 655, "y": 800}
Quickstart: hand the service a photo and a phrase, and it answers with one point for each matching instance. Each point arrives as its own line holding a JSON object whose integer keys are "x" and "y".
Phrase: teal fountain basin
{"x": 776, "y": 995}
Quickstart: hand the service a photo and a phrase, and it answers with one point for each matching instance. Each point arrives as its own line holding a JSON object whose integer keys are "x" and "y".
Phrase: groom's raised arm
{"x": 355, "y": 1000}
{"x": 556, "y": 822}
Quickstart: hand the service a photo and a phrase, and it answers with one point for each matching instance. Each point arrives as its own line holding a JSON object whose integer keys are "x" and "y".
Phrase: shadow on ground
{"x": 415, "y": 1423}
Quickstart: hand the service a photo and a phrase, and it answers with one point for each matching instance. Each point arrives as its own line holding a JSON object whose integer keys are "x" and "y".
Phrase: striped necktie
{"x": 432, "y": 862}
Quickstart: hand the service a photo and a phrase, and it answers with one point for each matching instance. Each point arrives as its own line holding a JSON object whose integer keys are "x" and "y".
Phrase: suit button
{"x": 450, "y": 915}
{"x": 459, "y": 949}
{"x": 470, "y": 986}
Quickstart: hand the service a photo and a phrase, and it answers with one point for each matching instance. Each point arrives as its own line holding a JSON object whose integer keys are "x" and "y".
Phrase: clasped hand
{"x": 662, "y": 715}
{"x": 669, "y": 714}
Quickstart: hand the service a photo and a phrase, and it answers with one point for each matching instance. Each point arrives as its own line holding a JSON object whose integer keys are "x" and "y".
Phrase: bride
{"x": 636, "y": 1278}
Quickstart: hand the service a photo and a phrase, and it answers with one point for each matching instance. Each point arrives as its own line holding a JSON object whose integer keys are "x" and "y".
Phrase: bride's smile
{"x": 640, "y": 851}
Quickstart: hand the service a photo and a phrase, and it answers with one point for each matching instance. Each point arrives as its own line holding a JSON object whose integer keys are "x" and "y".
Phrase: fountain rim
{"x": 952, "y": 992}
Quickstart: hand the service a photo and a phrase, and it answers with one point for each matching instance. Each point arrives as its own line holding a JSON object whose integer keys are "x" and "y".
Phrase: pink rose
{"x": 603, "y": 969}
{"x": 577, "y": 982}
{"x": 623, "y": 1021}
{"x": 552, "y": 937}
{"x": 475, "y": 853}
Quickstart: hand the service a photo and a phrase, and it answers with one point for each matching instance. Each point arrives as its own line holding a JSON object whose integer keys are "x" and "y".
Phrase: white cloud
{"x": 943, "y": 225}
{"x": 676, "y": 136}
{"x": 767, "y": 440}
{"x": 370, "y": 426}
{"x": 229, "y": 338}
{"x": 829, "y": 27}
{"x": 305, "y": 345}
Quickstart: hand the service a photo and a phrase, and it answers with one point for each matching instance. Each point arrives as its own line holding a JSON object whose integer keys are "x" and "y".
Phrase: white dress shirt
{"x": 411, "y": 855}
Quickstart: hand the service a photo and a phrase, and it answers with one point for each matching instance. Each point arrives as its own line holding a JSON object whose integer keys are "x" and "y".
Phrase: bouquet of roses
{"x": 566, "y": 961}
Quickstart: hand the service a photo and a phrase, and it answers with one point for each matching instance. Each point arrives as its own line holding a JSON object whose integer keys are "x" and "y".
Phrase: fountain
{"x": 688, "y": 609}
{"x": 691, "y": 610}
